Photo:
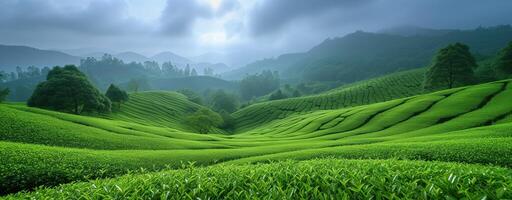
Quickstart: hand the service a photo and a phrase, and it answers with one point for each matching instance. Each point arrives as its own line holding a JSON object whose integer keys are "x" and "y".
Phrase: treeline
{"x": 109, "y": 69}
{"x": 21, "y": 73}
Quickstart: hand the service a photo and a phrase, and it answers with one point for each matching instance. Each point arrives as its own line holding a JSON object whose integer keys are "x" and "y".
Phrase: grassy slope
{"x": 397, "y": 85}
{"x": 451, "y": 125}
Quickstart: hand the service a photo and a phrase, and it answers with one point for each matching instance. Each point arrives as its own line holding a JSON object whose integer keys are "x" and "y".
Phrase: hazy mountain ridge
{"x": 362, "y": 55}
{"x": 23, "y": 56}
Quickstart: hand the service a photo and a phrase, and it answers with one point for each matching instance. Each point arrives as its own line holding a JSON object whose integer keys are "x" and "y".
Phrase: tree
{"x": 134, "y": 85}
{"x": 194, "y": 72}
{"x": 503, "y": 63}
{"x": 277, "y": 95}
{"x": 67, "y": 89}
{"x": 3, "y": 94}
{"x": 204, "y": 120}
{"x": 452, "y": 67}
{"x": 187, "y": 70}
{"x": 116, "y": 95}
{"x": 222, "y": 101}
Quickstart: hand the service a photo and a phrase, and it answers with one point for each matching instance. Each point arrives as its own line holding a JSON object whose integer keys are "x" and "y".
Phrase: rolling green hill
{"x": 46, "y": 148}
{"x": 396, "y": 85}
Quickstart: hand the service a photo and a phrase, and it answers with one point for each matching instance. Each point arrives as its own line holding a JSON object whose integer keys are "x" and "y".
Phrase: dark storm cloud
{"x": 269, "y": 15}
{"x": 179, "y": 16}
{"x": 95, "y": 17}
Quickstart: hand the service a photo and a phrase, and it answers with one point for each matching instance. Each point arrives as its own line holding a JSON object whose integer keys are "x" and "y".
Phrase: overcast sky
{"x": 252, "y": 28}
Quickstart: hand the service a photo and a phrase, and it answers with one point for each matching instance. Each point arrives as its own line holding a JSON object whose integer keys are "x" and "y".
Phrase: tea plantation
{"x": 358, "y": 143}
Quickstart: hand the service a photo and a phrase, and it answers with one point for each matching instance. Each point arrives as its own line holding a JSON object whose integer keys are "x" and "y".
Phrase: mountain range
{"x": 24, "y": 56}
{"x": 361, "y": 55}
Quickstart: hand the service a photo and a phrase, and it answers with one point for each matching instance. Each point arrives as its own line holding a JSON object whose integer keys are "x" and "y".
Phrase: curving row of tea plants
{"x": 393, "y": 86}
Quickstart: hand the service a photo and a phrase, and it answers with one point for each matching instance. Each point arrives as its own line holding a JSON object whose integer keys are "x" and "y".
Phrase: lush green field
{"x": 314, "y": 179}
{"x": 469, "y": 125}
{"x": 396, "y": 85}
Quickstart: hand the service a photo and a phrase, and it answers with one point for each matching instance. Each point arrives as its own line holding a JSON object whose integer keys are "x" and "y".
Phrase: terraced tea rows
{"x": 397, "y": 85}
{"x": 41, "y": 147}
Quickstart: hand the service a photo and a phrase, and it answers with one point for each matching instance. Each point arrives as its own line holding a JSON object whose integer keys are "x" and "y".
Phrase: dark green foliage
{"x": 277, "y": 95}
{"x": 503, "y": 63}
{"x": 116, "y": 95}
{"x": 204, "y": 120}
{"x": 259, "y": 84}
{"x": 191, "y": 96}
{"x": 67, "y": 89}
{"x": 222, "y": 101}
{"x": 228, "y": 121}
{"x": 452, "y": 67}
{"x": 3, "y": 94}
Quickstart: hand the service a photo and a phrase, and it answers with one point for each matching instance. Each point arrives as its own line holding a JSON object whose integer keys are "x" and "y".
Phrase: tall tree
{"x": 503, "y": 63}
{"x": 116, "y": 95}
{"x": 67, "y": 89}
{"x": 187, "y": 70}
{"x": 452, "y": 67}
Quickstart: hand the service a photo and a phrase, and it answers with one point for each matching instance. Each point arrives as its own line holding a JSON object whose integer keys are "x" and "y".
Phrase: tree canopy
{"x": 452, "y": 67}
{"x": 259, "y": 84}
{"x": 3, "y": 94}
{"x": 115, "y": 94}
{"x": 204, "y": 120}
{"x": 222, "y": 101}
{"x": 67, "y": 89}
{"x": 503, "y": 63}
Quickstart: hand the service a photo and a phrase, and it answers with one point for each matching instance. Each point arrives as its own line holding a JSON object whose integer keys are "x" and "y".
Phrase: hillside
{"x": 361, "y": 55}
{"x": 456, "y": 125}
{"x": 396, "y": 85}
{"x": 23, "y": 56}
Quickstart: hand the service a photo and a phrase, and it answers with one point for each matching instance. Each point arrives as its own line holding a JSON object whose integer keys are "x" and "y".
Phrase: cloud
{"x": 179, "y": 16}
{"x": 95, "y": 16}
{"x": 269, "y": 16}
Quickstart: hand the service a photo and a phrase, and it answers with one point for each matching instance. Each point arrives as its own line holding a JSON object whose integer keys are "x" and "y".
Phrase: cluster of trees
{"x": 21, "y": 73}
{"x": 454, "y": 66}
{"x": 3, "y": 92}
{"x": 109, "y": 69}
{"x": 68, "y": 89}
{"x": 221, "y": 104}
{"x": 259, "y": 84}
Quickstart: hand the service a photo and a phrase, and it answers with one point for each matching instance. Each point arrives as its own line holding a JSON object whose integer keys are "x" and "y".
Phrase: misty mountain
{"x": 361, "y": 55}
{"x": 96, "y": 55}
{"x": 169, "y": 56}
{"x": 217, "y": 67}
{"x": 23, "y": 56}
{"x": 409, "y": 30}
{"x": 131, "y": 57}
